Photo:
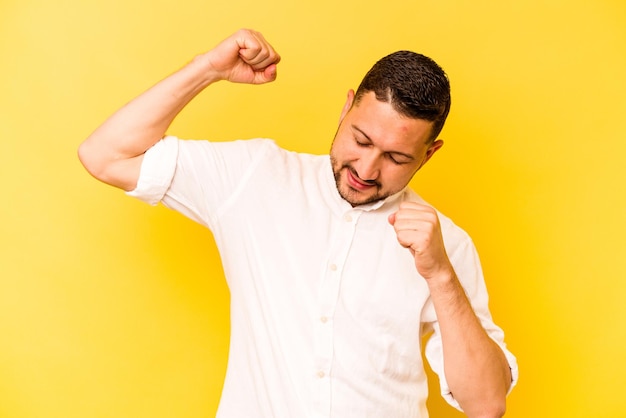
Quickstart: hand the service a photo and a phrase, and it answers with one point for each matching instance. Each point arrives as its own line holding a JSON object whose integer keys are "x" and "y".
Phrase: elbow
{"x": 109, "y": 169}
{"x": 487, "y": 403}
{"x": 97, "y": 163}
{"x": 89, "y": 159}
{"x": 492, "y": 409}
{"x": 496, "y": 410}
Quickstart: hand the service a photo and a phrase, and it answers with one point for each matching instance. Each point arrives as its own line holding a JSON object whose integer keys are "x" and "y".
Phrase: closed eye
{"x": 361, "y": 143}
{"x": 362, "y": 140}
{"x": 395, "y": 159}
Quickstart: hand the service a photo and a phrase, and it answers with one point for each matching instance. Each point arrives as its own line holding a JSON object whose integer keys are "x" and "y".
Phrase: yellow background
{"x": 112, "y": 308}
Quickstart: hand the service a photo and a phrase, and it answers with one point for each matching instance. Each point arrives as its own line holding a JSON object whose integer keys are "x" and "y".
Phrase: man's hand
{"x": 244, "y": 57}
{"x": 417, "y": 228}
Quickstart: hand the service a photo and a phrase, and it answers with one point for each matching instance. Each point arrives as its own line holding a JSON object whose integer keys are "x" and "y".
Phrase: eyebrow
{"x": 408, "y": 156}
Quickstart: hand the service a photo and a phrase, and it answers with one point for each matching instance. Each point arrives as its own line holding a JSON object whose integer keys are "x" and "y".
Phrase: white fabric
{"x": 327, "y": 309}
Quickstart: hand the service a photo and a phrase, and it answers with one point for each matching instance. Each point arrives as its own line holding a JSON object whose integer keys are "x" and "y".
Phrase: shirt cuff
{"x": 157, "y": 171}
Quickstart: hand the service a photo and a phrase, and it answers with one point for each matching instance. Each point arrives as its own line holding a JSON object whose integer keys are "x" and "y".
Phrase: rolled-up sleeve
{"x": 434, "y": 354}
{"x": 465, "y": 260}
{"x": 157, "y": 171}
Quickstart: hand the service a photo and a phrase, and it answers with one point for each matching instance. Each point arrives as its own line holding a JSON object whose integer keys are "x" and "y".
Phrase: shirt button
{"x": 333, "y": 267}
{"x": 321, "y": 374}
{"x": 347, "y": 217}
{"x": 323, "y": 319}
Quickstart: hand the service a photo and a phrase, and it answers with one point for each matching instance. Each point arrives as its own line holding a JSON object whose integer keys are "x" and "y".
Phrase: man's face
{"x": 376, "y": 150}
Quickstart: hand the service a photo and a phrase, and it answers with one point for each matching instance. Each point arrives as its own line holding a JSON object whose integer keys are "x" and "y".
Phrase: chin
{"x": 356, "y": 199}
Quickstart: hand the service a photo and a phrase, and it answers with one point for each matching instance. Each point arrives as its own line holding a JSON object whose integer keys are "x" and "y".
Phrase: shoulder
{"x": 255, "y": 155}
{"x": 237, "y": 155}
{"x": 251, "y": 146}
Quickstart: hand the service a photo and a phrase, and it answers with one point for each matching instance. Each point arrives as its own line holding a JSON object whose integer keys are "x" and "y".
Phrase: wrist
{"x": 443, "y": 280}
{"x": 202, "y": 65}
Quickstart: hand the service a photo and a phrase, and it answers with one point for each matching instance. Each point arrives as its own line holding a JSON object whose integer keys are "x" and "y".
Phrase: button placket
{"x": 328, "y": 298}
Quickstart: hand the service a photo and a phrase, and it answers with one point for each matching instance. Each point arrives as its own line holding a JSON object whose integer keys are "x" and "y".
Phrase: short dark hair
{"x": 415, "y": 85}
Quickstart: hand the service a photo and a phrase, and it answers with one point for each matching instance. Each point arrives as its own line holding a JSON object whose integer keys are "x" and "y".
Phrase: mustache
{"x": 356, "y": 175}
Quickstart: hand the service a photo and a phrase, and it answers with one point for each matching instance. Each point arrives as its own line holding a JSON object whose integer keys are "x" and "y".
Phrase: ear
{"x": 347, "y": 105}
{"x": 432, "y": 149}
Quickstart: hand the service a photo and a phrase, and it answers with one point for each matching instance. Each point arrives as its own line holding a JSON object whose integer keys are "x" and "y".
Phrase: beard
{"x": 350, "y": 195}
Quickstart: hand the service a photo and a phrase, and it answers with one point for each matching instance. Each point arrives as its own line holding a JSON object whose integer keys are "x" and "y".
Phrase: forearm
{"x": 138, "y": 125}
{"x": 475, "y": 367}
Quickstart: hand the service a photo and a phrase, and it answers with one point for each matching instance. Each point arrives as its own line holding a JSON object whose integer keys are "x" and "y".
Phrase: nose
{"x": 368, "y": 167}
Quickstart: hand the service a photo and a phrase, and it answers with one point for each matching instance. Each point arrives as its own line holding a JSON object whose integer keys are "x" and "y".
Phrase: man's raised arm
{"x": 114, "y": 151}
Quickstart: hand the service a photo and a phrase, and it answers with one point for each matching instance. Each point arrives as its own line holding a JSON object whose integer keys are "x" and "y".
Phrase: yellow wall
{"x": 111, "y": 308}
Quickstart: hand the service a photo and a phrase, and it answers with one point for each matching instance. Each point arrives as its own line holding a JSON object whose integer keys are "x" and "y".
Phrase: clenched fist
{"x": 417, "y": 228}
{"x": 244, "y": 57}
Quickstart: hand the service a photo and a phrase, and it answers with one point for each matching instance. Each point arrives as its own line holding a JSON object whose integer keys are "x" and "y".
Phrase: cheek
{"x": 342, "y": 151}
{"x": 398, "y": 176}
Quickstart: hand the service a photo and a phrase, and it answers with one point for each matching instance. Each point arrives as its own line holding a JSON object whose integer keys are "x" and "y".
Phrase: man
{"x": 335, "y": 268}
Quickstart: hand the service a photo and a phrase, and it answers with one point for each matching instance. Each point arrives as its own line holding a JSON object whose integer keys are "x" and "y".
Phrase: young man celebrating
{"x": 335, "y": 268}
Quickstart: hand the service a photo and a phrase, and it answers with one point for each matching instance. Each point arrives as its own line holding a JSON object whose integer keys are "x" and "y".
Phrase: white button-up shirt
{"x": 327, "y": 309}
